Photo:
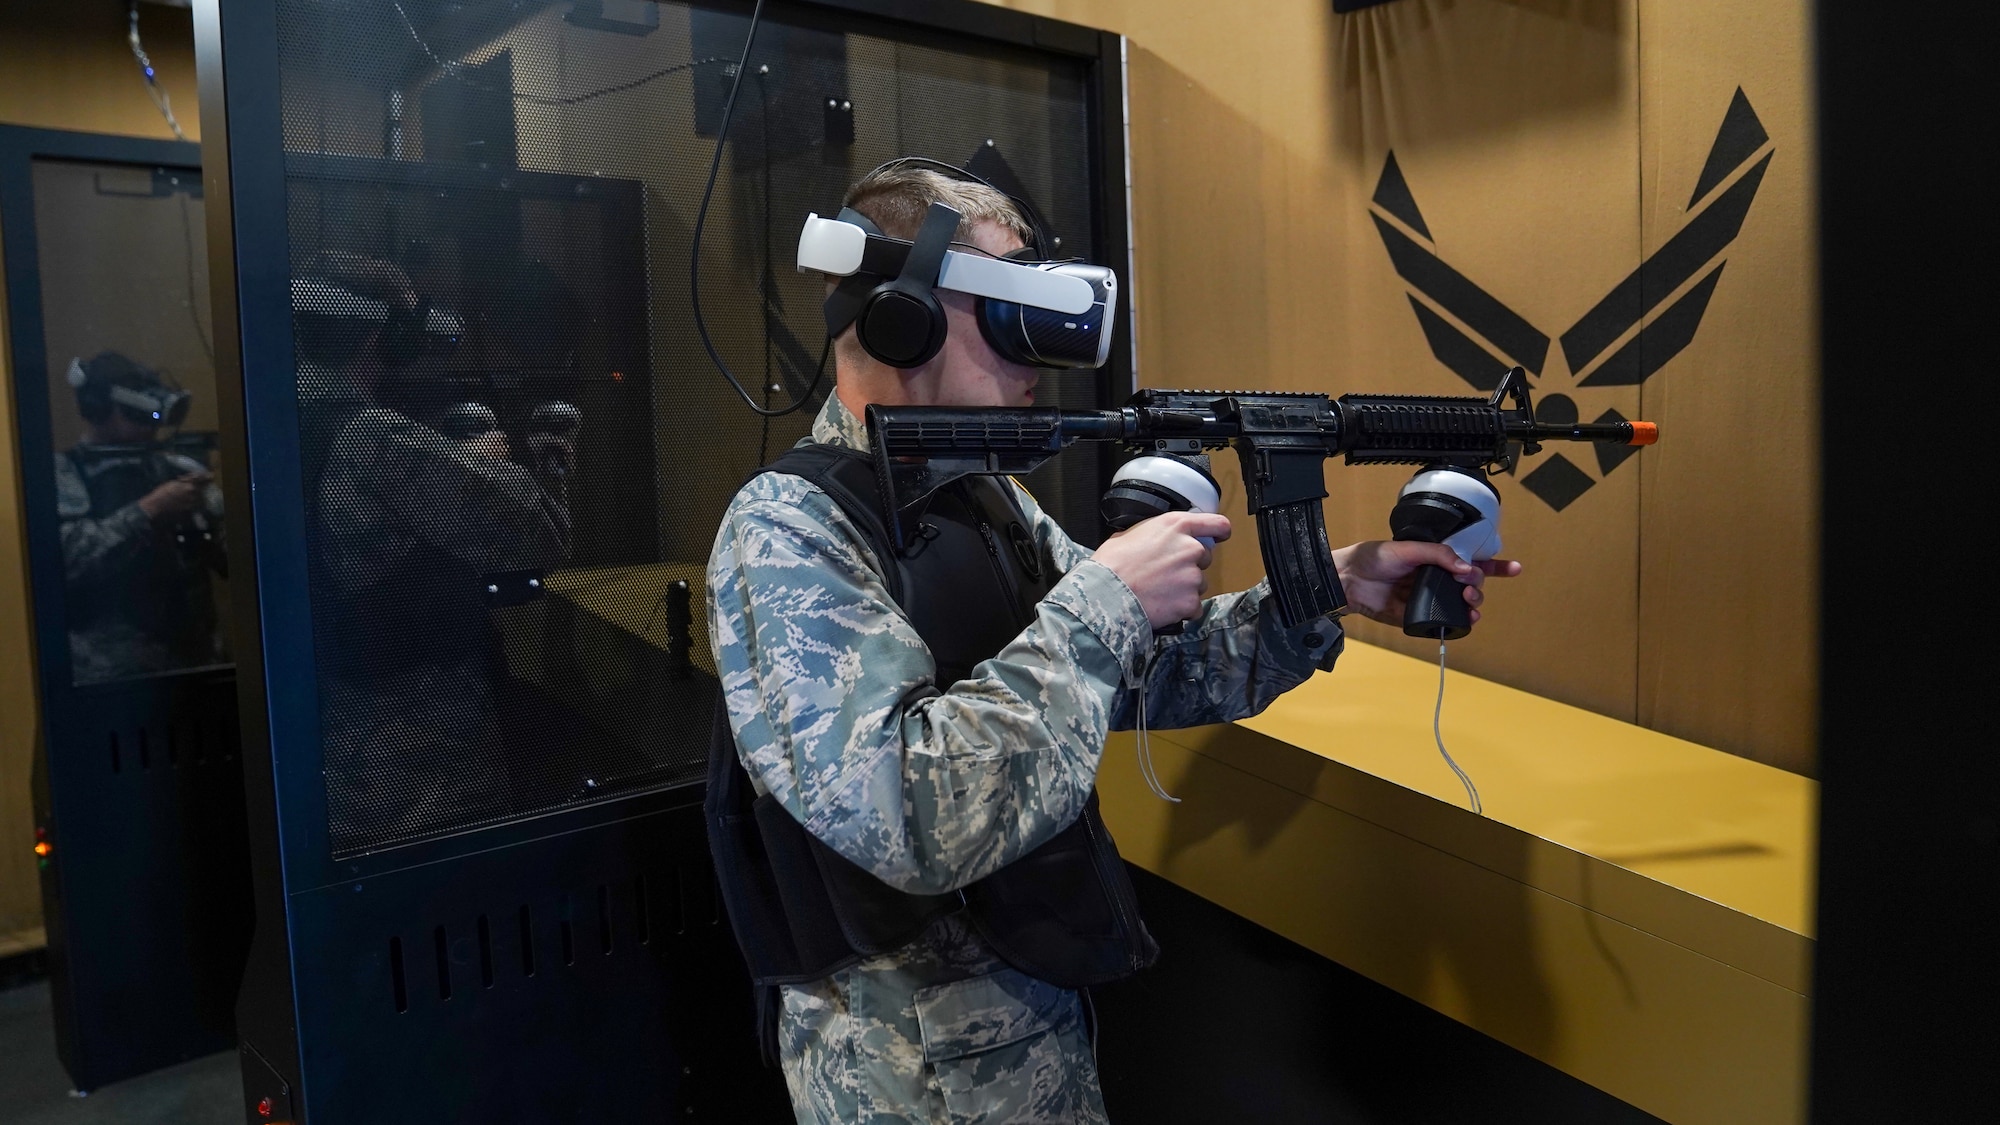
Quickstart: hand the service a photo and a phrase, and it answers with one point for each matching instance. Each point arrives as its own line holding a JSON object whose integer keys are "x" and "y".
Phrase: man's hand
{"x": 492, "y": 444}
{"x": 175, "y": 498}
{"x": 1377, "y": 575}
{"x": 551, "y": 456}
{"x": 1162, "y": 561}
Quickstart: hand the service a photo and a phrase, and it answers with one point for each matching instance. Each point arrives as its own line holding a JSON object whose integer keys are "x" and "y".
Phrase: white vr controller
{"x": 1180, "y": 486}
{"x": 1475, "y": 540}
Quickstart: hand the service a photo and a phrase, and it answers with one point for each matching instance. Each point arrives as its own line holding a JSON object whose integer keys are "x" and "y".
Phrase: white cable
{"x": 159, "y": 96}
{"x": 1471, "y": 790}
{"x": 1145, "y": 745}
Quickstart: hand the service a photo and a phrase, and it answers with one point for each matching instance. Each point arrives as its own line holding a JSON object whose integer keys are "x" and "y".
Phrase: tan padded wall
{"x": 1551, "y": 146}
{"x": 62, "y": 66}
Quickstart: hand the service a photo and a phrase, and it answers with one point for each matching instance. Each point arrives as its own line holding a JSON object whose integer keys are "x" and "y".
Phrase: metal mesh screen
{"x": 490, "y": 215}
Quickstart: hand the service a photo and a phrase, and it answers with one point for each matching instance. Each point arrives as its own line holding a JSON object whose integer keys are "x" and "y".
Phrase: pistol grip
{"x": 1437, "y": 605}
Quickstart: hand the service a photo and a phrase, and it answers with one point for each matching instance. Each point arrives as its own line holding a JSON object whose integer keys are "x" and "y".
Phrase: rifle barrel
{"x": 1610, "y": 433}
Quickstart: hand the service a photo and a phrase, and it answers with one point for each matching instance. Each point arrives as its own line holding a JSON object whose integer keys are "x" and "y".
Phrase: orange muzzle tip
{"x": 1644, "y": 433}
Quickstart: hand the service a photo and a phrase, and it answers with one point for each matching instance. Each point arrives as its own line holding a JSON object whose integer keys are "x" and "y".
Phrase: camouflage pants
{"x": 998, "y": 1049}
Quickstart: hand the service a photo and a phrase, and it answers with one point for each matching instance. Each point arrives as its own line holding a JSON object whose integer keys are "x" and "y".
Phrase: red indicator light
{"x": 617, "y": 376}
{"x": 264, "y": 1107}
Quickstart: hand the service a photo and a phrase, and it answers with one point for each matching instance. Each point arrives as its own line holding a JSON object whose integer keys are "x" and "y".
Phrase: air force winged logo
{"x": 1629, "y": 335}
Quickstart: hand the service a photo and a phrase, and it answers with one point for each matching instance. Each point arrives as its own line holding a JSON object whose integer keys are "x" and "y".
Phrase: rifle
{"x": 195, "y": 533}
{"x": 1282, "y": 440}
{"x": 196, "y": 445}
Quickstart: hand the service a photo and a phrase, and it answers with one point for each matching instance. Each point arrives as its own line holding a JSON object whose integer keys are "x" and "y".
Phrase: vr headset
{"x": 402, "y": 335}
{"x": 1054, "y": 314}
{"x": 157, "y": 403}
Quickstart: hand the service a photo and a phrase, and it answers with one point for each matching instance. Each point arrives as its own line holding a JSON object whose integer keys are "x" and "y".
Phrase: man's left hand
{"x": 1378, "y": 574}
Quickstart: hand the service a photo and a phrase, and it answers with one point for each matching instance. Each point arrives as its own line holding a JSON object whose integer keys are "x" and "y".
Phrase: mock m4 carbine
{"x": 1282, "y": 440}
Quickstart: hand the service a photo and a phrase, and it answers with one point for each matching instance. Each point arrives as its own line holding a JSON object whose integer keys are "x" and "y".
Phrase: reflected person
{"x": 408, "y": 526}
{"x": 141, "y": 528}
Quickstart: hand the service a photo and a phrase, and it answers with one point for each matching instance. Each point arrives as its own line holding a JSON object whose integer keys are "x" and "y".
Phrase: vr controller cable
{"x": 767, "y": 284}
{"x": 1437, "y": 732}
{"x": 1144, "y": 741}
{"x": 153, "y": 90}
{"x": 194, "y": 301}
{"x": 701, "y": 224}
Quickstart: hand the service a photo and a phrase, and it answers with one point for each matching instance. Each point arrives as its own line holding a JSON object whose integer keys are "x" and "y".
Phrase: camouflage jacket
{"x": 387, "y": 485}
{"x": 403, "y": 523}
{"x": 835, "y": 709}
{"x": 138, "y": 601}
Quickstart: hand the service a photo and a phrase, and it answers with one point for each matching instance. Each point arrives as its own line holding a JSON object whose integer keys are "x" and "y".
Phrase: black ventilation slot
{"x": 223, "y": 732}
{"x": 527, "y": 943}
{"x": 641, "y": 916}
{"x": 173, "y": 750}
{"x": 200, "y": 740}
{"x": 443, "y": 950}
{"x": 145, "y": 751}
{"x": 698, "y": 895}
{"x": 485, "y": 954}
{"x": 604, "y": 918}
{"x": 673, "y": 899}
{"x": 117, "y": 764}
{"x": 568, "y": 943}
{"x": 691, "y": 894}
{"x": 396, "y": 975}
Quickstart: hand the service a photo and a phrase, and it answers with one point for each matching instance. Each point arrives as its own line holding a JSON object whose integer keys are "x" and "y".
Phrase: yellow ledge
{"x": 1632, "y": 909}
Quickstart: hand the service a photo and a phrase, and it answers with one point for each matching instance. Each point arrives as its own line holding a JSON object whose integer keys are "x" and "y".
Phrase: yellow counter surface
{"x": 1633, "y": 909}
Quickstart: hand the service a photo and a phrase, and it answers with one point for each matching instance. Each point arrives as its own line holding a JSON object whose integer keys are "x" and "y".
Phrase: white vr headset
{"x": 313, "y": 297}
{"x": 1045, "y": 314}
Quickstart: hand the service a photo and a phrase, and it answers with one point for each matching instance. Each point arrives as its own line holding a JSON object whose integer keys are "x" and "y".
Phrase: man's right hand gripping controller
{"x": 1162, "y": 561}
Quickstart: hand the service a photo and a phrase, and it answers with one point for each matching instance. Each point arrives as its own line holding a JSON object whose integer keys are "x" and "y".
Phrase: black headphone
{"x": 402, "y": 338}
{"x": 899, "y": 320}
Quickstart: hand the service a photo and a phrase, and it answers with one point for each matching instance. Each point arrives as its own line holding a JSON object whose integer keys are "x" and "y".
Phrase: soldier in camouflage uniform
{"x": 141, "y": 529}
{"x": 405, "y": 523}
{"x": 835, "y": 709}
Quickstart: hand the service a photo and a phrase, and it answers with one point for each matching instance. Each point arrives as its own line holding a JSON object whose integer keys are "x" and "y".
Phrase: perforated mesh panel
{"x": 497, "y": 639}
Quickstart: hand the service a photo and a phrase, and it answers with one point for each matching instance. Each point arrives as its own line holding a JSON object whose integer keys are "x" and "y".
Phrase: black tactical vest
{"x": 1064, "y": 913}
{"x": 162, "y": 588}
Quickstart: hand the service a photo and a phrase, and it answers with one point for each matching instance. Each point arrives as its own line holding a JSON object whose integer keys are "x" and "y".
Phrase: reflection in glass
{"x": 141, "y": 529}
{"x": 132, "y": 397}
{"x": 423, "y": 517}
{"x": 514, "y": 451}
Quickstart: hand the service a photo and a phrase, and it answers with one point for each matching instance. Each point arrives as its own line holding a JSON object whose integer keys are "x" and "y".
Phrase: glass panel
{"x": 124, "y": 287}
{"x": 516, "y": 451}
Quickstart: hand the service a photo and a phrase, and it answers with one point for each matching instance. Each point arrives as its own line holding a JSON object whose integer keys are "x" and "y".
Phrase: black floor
{"x": 35, "y": 1091}
{"x": 1234, "y": 1024}
{"x": 1238, "y": 1024}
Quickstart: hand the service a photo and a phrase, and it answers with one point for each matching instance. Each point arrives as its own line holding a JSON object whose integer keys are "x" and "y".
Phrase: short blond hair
{"x": 896, "y": 198}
